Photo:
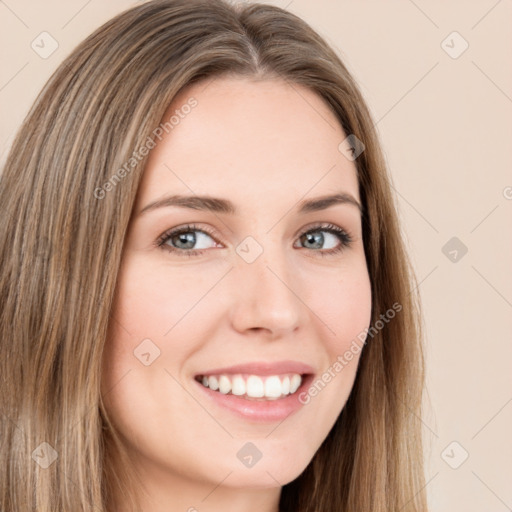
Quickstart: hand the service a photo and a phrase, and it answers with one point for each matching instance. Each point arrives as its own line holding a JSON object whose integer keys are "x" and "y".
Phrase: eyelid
{"x": 319, "y": 226}
{"x": 184, "y": 229}
{"x": 344, "y": 236}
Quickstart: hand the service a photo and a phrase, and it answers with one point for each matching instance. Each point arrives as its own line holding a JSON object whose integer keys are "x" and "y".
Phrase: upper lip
{"x": 263, "y": 368}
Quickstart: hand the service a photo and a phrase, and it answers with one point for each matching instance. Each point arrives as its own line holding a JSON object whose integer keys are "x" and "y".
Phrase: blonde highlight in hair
{"x": 61, "y": 249}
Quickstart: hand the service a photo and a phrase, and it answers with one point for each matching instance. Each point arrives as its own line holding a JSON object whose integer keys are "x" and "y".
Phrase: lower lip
{"x": 263, "y": 411}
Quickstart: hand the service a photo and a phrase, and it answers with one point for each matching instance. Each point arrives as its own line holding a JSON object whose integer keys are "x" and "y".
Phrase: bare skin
{"x": 264, "y": 147}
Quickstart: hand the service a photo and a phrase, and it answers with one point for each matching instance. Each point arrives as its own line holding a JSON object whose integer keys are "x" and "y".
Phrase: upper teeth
{"x": 272, "y": 386}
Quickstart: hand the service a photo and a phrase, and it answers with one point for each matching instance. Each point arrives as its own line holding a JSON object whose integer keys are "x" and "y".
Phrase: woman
{"x": 206, "y": 302}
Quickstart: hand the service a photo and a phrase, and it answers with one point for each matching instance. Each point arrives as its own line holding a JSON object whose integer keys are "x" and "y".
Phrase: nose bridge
{"x": 265, "y": 298}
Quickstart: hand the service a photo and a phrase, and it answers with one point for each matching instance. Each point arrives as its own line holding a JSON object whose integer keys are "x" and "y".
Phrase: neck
{"x": 177, "y": 493}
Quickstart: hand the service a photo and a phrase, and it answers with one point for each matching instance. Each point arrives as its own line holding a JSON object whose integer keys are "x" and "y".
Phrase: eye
{"x": 183, "y": 240}
{"x": 314, "y": 237}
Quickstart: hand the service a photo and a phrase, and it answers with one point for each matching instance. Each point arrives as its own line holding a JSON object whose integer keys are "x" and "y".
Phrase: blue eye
{"x": 180, "y": 240}
{"x": 314, "y": 236}
{"x": 183, "y": 241}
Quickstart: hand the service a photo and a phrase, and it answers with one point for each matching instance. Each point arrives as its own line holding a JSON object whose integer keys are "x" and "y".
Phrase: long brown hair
{"x": 61, "y": 241}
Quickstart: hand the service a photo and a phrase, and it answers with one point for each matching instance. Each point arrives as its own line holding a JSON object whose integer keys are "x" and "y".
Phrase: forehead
{"x": 249, "y": 139}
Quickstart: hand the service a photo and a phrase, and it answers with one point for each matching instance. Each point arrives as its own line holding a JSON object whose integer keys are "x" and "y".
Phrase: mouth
{"x": 257, "y": 392}
{"x": 254, "y": 387}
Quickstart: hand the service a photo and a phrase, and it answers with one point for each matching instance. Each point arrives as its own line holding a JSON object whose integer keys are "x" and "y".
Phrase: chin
{"x": 268, "y": 472}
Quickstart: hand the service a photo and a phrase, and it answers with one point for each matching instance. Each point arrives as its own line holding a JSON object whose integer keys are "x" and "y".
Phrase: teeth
{"x": 273, "y": 387}
{"x": 253, "y": 386}
{"x": 239, "y": 386}
{"x": 213, "y": 383}
{"x": 286, "y": 385}
{"x": 224, "y": 385}
{"x": 295, "y": 383}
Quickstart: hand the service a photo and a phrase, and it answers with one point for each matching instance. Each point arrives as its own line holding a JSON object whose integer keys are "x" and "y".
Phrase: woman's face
{"x": 241, "y": 286}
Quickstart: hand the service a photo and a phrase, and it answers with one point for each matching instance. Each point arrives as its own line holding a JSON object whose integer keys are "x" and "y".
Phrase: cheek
{"x": 161, "y": 304}
{"x": 349, "y": 309}
{"x": 147, "y": 306}
{"x": 153, "y": 298}
{"x": 343, "y": 313}
{"x": 342, "y": 305}
{"x": 158, "y": 318}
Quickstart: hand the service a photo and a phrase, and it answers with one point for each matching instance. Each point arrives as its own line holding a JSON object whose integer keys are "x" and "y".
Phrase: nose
{"x": 263, "y": 299}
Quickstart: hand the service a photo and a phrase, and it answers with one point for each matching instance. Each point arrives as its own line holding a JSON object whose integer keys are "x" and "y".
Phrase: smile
{"x": 269, "y": 387}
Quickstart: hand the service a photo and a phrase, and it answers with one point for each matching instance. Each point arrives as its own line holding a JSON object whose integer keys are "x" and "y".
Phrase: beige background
{"x": 446, "y": 127}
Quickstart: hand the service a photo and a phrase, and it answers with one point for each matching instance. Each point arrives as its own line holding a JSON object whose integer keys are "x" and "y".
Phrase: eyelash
{"x": 343, "y": 236}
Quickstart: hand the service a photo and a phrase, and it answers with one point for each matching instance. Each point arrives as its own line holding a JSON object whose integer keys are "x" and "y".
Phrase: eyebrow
{"x": 219, "y": 205}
